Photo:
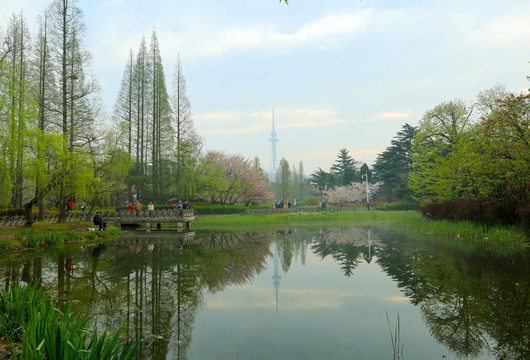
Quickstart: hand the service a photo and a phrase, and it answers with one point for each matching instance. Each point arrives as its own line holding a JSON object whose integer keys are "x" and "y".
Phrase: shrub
{"x": 310, "y": 201}
{"x": 397, "y": 206}
{"x": 14, "y": 212}
{"x": 216, "y": 209}
{"x": 509, "y": 211}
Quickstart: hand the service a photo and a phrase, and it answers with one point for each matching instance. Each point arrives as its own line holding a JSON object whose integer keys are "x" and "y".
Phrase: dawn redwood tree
{"x": 284, "y": 181}
{"x": 43, "y": 88}
{"x": 142, "y": 101}
{"x": 124, "y": 113}
{"x": 188, "y": 142}
{"x": 18, "y": 107}
{"x": 301, "y": 179}
{"x": 74, "y": 100}
{"x": 161, "y": 129}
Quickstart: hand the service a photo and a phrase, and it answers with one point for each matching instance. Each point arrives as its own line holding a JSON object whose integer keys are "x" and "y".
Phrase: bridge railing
{"x": 146, "y": 214}
{"x": 17, "y": 220}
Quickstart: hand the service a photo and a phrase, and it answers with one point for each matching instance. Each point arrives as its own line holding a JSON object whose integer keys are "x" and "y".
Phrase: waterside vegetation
{"x": 44, "y": 234}
{"x": 406, "y": 220}
{"x": 36, "y": 328}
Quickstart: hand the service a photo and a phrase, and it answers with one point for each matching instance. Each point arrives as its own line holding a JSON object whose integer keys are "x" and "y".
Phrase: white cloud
{"x": 503, "y": 30}
{"x": 207, "y": 41}
{"x": 239, "y": 123}
{"x": 394, "y": 115}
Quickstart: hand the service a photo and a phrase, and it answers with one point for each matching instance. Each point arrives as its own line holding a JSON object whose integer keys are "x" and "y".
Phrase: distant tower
{"x": 276, "y": 276}
{"x": 273, "y": 140}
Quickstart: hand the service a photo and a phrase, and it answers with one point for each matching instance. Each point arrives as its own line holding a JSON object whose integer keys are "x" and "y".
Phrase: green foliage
{"x": 45, "y": 332}
{"x": 322, "y": 180}
{"x": 393, "y": 165}
{"x": 344, "y": 169}
{"x": 15, "y": 306}
{"x": 504, "y": 166}
{"x": 215, "y": 209}
{"x": 310, "y": 201}
{"x": 283, "y": 184}
{"x": 455, "y": 159}
{"x": 399, "y": 206}
{"x": 28, "y": 237}
{"x": 443, "y": 154}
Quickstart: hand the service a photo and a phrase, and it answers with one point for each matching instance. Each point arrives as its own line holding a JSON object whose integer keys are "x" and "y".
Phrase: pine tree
{"x": 344, "y": 169}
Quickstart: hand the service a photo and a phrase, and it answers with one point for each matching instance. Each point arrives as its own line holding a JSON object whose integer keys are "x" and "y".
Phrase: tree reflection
{"x": 471, "y": 302}
{"x": 471, "y": 308}
{"x": 347, "y": 245}
{"x": 154, "y": 282}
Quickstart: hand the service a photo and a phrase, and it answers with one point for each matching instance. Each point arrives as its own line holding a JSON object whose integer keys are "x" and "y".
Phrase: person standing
{"x": 138, "y": 207}
{"x": 83, "y": 207}
{"x": 150, "y": 208}
{"x": 179, "y": 208}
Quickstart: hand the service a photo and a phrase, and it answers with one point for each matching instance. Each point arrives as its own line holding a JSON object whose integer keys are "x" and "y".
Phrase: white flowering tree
{"x": 353, "y": 193}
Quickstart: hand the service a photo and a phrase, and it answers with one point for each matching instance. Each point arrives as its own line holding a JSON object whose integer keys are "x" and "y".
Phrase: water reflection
{"x": 473, "y": 304}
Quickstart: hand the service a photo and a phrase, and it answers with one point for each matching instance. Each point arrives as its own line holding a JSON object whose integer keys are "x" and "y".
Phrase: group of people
{"x": 138, "y": 206}
{"x": 283, "y": 205}
{"x": 98, "y": 220}
{"x": 70, "y": 206}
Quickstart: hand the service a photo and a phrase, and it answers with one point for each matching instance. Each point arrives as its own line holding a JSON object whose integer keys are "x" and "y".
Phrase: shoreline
{"x": 16, "y": 238}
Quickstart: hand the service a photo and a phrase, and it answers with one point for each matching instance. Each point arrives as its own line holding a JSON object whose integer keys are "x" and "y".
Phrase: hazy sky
{"x": 339, "y": 73}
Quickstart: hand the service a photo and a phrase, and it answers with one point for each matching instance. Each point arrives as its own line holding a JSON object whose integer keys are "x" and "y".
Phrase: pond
{"x": 360, "y": 292}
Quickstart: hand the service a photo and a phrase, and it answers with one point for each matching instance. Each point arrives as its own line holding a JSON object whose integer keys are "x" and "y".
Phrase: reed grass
{"x": 395, "y": 337}
{"x": 28, "y": 317}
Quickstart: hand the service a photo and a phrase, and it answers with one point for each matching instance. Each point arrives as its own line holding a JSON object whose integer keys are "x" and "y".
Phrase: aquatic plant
{"x": 395, "y": 337}
{"x": 28, "y": 317}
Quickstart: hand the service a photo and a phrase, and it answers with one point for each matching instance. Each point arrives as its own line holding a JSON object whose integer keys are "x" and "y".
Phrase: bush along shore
{"x": 33, "y": 327}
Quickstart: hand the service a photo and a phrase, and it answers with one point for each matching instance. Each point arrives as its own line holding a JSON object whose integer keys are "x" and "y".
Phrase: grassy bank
{"x": 405, "y": 220}
{"x": 45, "y": 234}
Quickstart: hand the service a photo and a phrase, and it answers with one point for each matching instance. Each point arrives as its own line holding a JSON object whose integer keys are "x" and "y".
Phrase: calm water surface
{"x": 295, "y": 293}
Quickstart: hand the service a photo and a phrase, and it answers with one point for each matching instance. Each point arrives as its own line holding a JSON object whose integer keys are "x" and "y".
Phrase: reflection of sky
{"x": 322, "y": 315}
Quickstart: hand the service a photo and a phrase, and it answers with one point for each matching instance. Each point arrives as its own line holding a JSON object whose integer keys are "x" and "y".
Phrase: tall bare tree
{"x": 74, "y": 100}
{"x": 19, "y": 105}
{"x": 43, "y": 84}
{"x": 187, "y": 141}
{"x": 125, "y": 112}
